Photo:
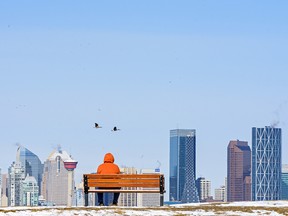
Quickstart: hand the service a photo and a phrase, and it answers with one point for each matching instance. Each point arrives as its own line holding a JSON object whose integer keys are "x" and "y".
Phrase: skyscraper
{"x": 31, "y": 164}
{"x": 220, "y": 193}
{"x": 204, "y": 188}
{"x": 148, "y": 199}
{"x": 79, "y": 199}
{"x": 55, "y": 178}
{"x": 125, "y": 199}
{"x": 266, "y": 163}
{"x": 183, "y": 166}
{"x": 16, "y": 177}
{"x": 30, "y": 191}
{"x": 238, "y": 171}
{"x": 0, "y": 188}
{"x": 4, "y": 194}
{"x": 284, "y": 182}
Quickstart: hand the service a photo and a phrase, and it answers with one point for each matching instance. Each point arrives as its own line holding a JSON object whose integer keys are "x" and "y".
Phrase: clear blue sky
{"x": 219, "y": 67}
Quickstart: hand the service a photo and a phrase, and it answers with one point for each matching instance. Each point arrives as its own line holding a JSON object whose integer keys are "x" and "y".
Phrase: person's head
{"x": 108, "y": 158}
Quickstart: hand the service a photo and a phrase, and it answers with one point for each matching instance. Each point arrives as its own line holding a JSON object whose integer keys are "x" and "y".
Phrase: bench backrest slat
{"x": 123, "y": 176}
{"x": 115, "y": 185}
{"x": 128, "y": 181}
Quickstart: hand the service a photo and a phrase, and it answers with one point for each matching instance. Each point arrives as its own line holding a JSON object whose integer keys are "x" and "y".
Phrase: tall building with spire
{"x": 55, "y": 178}
{"x": 266, "y": 163}
{"x": 183, "y": 166}
{"x": 238, "y": 171}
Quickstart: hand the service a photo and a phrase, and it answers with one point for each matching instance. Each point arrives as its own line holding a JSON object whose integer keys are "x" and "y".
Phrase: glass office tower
{"x": 31, "y": 163}
{"x": 266, "y": 163}
{"x": 238, "y": 171}
{"x": 284, "y": 182}
{"x": 183, "y": 166}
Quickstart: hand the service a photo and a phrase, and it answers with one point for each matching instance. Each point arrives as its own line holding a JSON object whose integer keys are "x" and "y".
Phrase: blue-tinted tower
{"x": 266, "y": 163}
{"x": 284, "y": 182}
{"x": 31, "y": 163}
{"x": 183, "y": 166}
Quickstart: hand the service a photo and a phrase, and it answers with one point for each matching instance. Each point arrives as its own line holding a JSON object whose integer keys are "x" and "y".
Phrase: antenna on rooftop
{"x": 59, "y": 149}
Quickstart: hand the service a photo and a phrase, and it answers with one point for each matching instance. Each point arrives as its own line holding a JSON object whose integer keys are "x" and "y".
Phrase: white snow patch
{"x": 178, "y": 209}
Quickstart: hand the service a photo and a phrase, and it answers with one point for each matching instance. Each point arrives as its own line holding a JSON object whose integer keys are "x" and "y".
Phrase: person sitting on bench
{"x": 108, "y": 167}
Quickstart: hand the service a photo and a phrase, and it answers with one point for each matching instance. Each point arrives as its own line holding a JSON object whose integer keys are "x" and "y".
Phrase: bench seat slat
{"x": 124, "y": 191}
{"x": 109, "y": 185}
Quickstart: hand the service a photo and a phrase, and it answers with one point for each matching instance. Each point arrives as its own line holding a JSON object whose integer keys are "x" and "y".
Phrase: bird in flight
{"x": 115, "y": 129}
{"x": 97, "y": 125}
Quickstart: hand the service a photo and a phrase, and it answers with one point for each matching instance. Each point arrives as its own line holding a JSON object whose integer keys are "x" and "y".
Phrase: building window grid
{"x": 267, "y": 169}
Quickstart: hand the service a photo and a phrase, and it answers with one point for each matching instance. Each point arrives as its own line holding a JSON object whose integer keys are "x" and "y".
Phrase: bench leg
{"x": 161, "y": 199}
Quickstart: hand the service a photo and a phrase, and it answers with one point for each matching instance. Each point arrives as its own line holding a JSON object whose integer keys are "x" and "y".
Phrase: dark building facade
{"x": 238, "y": 171}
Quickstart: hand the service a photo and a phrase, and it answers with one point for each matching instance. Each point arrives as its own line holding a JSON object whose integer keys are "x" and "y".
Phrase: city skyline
{"x": 23, "y": 149}
{"x": 266, "y": 147}
{"x": 146, "y": 67}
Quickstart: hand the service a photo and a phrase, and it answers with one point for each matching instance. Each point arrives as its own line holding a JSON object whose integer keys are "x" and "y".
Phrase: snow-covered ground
{"x": 274, "y": 208}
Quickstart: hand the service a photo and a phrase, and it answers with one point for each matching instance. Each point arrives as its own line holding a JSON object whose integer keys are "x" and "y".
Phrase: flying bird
{"x": 115, "y": 129}
{"x": 97, "y": 125}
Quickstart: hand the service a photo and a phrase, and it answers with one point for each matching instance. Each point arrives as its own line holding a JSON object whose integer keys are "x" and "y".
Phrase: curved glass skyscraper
{"x": 31, "y": 164}
{"x": 266, "y": 163}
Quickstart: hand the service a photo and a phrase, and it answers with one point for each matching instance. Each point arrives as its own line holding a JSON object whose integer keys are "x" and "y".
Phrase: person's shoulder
{"x": 117, "y": 168}
{"x": 116, "y": 165}
{"x": 99, "y": 168}
{"x": 100, "y": 165}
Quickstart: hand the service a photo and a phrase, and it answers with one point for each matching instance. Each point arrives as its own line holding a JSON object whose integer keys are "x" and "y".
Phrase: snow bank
{"x": 199, "y": 209}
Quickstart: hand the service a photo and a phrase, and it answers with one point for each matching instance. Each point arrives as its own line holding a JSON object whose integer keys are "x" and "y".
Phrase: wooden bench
{"x": 129, "y": 183}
